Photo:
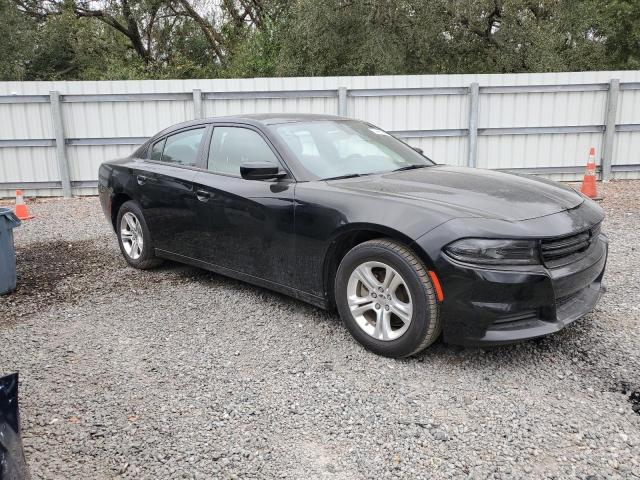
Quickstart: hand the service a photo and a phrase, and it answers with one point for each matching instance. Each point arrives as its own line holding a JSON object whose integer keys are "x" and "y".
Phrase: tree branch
{"x": 213, "y": 36}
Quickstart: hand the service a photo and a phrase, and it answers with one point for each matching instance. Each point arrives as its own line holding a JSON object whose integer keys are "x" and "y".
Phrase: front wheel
{"x": 386, "y": 299}
{"x": 134, "y": 237}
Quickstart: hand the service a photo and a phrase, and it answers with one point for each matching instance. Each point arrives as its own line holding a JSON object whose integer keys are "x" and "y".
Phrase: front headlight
{"x": 494, "y": 252}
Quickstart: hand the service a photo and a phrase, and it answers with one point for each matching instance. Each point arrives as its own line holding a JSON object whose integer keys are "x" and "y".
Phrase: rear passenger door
{"x": 246, "y": 225}
{"x": 167, "y": 190}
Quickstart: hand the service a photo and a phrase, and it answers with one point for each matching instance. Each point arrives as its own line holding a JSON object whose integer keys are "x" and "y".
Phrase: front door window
{"x": 231, "y": 146}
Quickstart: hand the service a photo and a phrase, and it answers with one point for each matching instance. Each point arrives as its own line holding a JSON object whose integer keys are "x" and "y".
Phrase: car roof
{"x": 259, "y": 119}
{"x": 274, "y": 118}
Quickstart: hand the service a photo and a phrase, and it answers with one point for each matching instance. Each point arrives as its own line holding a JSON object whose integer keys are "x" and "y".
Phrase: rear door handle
{"x": 142, "y": 179}
{"x": 203, "y": 195}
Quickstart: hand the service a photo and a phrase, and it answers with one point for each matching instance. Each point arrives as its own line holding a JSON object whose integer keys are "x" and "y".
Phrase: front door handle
{"x": 203, "y": 195}
{"x": 142, "y": 179}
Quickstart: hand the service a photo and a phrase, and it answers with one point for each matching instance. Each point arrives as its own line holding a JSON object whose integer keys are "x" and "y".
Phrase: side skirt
{"x": 260, "y": 282}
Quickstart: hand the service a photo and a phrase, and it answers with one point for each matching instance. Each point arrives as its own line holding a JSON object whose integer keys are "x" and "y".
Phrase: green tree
{"x": 441, "y": 36}
{"x": 16, "y": 42}
{"x": 360, "y": 37}
{"x": 500, "y": 36}
{"x": 622, "y": 32}
{"x": 113, "y": 39}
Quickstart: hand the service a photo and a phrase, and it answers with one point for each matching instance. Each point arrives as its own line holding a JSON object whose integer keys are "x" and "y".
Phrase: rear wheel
{"x": 134, "y": 238}
{"x": 386, "y": 299}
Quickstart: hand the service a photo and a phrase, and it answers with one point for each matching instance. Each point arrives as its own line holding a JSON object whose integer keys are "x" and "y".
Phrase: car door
{"x": 166, "y": 189}
{"x": 246, "y": 225}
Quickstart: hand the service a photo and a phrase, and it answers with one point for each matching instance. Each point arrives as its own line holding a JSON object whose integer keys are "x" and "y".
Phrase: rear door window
{"x": 181, "y": 148}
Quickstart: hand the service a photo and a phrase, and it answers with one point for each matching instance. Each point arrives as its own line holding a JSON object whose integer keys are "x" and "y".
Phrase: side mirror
{"x": 419, "y": 150}
{"x": 260, "y": 171}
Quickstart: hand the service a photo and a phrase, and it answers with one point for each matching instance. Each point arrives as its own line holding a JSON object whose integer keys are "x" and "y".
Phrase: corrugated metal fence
{"x": 54, "y": 135}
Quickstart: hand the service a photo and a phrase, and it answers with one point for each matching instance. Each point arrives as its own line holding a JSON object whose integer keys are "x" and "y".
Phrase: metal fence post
{"x": 342, "y": 101}
{"x": 610, "y": 128}
{"x": 197, "y": 103}
{"x": 474, "y": 101}
{"x": 61, "y": 148}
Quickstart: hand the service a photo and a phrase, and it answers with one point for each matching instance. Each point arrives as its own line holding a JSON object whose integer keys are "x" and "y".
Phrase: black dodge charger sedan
{"x": 339, "y": 213}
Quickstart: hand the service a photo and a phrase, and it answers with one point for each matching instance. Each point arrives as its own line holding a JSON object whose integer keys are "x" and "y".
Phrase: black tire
{"x": 146, "y": 258}
{"x": 424, "y": 327}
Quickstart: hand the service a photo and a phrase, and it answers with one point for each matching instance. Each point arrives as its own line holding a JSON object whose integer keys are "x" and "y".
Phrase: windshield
{"x": 330, "y": 149}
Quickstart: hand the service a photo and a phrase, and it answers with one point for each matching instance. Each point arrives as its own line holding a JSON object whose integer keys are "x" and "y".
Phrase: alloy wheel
{"x": 131, "y": 235}
{"x": 379, "y": 300}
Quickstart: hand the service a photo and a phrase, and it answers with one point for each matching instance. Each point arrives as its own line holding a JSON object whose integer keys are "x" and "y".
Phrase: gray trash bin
{"x": 8, "y": 221}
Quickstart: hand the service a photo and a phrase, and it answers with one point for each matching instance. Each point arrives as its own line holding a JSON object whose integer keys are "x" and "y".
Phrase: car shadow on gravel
{"x": 62, "y": 272}
{"x": 56, "y": 272}
{"x": 66, "y": 272}
{"x": 577, "y": 345}
{"x": 212, "y": 279}
{"x": 580, "y": 353}
{"x": 504, "y": 356}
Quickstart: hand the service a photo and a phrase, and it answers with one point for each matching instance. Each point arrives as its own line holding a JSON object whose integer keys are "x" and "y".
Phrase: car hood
{"x": 471, "y": 192}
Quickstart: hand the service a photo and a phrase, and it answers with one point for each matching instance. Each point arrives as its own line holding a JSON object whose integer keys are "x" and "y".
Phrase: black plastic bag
{"x": 13, "y": 465}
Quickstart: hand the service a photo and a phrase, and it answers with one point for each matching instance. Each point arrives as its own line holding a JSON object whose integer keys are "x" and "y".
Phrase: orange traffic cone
{"x": 589, "y": 186}
{"x": 21, "y": 210}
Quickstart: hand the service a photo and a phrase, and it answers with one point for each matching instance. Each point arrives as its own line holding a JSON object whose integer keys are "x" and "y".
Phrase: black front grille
{"x": 559, "y": 248}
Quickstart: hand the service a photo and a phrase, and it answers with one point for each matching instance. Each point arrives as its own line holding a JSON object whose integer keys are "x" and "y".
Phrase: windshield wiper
{"x": 409, "y": 167}
{"x": 348, "y": 175}
{"x": 354, "y": 175}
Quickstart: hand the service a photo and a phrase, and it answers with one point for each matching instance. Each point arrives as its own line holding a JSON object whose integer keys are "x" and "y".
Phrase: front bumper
{"x": 497, "y": 305}
{"x": 486, "y": 306}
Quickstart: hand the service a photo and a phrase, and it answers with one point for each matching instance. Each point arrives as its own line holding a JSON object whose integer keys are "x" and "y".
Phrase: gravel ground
{"x": 180, "y": 373}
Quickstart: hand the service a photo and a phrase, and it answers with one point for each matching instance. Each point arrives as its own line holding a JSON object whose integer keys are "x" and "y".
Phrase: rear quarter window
{"x": 156, "y": 150}
{"x": 181, "y": 148}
